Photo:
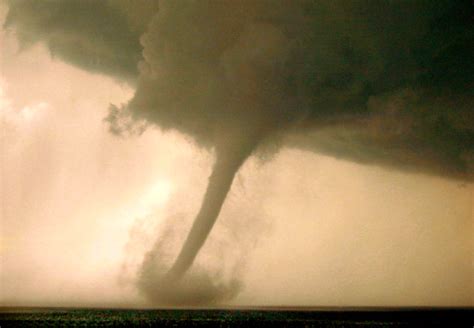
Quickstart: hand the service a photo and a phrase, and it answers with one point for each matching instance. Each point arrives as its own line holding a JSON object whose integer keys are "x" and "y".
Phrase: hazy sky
{"x": 81, "y": 207}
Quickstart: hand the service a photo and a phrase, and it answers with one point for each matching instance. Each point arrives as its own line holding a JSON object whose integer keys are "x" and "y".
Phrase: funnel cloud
{"x": 383, "y": 82}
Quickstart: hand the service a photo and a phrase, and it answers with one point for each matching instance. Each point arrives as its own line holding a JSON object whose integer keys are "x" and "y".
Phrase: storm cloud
{"x": 390, "y": 79}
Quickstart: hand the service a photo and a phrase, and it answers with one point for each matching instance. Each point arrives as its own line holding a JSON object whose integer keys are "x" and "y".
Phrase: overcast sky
{"x": 81, "y": 207}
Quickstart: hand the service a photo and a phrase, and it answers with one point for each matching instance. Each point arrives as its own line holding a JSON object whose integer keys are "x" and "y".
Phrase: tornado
{"x": 219, "y": 184}
{"x": 386, "y": 83}
{"x": 235, "y": 146}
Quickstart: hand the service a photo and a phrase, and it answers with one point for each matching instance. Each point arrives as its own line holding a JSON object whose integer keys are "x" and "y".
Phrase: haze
{"x": 90, "y": 218}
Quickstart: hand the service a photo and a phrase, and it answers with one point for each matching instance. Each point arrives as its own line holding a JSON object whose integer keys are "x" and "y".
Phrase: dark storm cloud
{"x": 99, "y": 36}
{"x": 383, "y": 82}
{"x": 394, "y": 75}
